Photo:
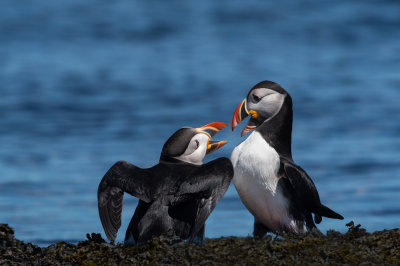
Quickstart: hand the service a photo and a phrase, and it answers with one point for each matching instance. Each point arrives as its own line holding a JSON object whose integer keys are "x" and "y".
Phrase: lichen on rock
{"x": 354, "y": 247}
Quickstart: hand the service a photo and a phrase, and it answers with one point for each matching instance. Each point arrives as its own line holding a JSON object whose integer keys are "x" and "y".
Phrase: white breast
{"x": 256, "y": 166}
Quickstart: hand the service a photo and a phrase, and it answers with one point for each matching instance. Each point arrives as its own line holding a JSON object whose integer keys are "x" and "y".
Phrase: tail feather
{"x": 325, "y": 211}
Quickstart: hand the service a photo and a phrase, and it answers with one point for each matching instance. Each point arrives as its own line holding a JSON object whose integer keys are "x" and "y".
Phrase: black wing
{"x": 208, "y": 184}
{"x": 121, "y": 177}
{"x": 306, "y": 191}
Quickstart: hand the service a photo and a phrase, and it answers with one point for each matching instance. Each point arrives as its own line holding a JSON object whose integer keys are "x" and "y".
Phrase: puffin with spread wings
{"x": 278, "y": 192}
{"x": 175, "y": 196}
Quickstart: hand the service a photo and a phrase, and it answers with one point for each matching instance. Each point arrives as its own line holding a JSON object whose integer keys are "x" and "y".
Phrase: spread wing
{"x": 305, "y": 190}
{"x": 207, "y": 184}
{"x": 121, "y": 177}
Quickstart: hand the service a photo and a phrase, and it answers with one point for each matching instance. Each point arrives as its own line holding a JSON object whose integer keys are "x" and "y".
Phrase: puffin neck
{"x": 168, "y": 159}
{"x": 277, "y": 131}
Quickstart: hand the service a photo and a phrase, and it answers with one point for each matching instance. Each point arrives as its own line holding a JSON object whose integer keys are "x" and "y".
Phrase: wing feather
{"x": 306, "y": 191}
{"x": 121, "y": 177}
{"x": 208, "y": 184}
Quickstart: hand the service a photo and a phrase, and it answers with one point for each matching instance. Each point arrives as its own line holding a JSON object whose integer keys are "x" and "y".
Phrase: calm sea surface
{"x": 86, "y": 83}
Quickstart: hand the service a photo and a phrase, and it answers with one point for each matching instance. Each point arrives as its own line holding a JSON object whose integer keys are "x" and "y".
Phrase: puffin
{"x": 176, "y": 196}
{"x": 277, "y": 192}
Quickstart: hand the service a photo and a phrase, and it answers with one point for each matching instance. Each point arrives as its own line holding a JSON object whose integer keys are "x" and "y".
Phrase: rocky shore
{"x": 354, "y": 247}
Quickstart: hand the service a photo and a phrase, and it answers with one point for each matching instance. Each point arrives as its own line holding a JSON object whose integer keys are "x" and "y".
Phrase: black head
{"x": 192, "y": 144}
{"x": 270, "y": 108}
{"x": 263, "y": 102}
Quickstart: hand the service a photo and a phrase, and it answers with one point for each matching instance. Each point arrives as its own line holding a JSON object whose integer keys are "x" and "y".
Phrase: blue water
{"x": 86, "y": 83}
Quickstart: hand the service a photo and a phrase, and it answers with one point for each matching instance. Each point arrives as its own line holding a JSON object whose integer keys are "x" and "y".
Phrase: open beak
{"x": 210, "y": 130}
{"x": 241, "y": 113}
{"x": 215, "y": 145}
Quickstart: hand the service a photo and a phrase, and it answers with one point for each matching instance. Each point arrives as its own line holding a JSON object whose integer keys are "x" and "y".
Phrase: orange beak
{"x": 215, "y": 145}
{"x": 213, "y": 128}
{"x": 210, "y": 130}
{"x": 241, "y": 113}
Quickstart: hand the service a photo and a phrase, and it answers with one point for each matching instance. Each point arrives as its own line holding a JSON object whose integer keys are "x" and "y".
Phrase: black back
{"x": 175, "y": 197}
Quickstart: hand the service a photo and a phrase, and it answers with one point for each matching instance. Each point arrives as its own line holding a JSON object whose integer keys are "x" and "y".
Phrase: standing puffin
{"x": 175, "y": 196}
{"x": 279, "y": 193}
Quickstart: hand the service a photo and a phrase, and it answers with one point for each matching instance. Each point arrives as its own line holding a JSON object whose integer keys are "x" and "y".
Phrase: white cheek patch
{"x": 193, "y": 155}
{"x": 270, "y": 104}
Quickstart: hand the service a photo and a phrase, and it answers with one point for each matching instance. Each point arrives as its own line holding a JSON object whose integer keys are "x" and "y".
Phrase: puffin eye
{"x": 197, "y": 143}
{"x": 256, "y": 98}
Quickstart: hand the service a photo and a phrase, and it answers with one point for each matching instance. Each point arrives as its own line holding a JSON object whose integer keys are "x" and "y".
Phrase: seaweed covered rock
{"x": 355, "y": 247}
{"x": 16, "y": 251}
